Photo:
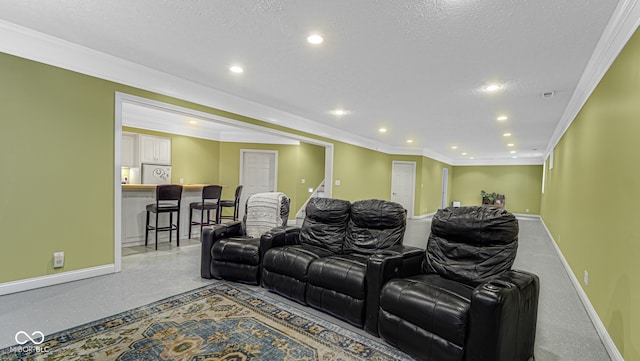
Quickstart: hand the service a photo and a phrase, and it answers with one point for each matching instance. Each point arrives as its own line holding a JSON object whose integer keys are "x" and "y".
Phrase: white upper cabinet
{"x": 156, "y": 150}
{"x": 129, "y": 150}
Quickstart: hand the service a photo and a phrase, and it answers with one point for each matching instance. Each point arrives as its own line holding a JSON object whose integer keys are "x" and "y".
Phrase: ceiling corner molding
{"x": 33, "y": 45}
{"x": 493, "y": 162}
{"x": 622, "y": 25}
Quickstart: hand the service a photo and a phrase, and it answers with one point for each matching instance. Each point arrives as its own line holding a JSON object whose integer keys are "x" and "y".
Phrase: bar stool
{"x": 167, "y": 201}
{"x": 235, "y": 204}
{"x": 210, "y": 201}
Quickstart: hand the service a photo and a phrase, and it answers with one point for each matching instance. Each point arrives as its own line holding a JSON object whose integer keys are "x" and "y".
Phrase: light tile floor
{"x": 565, "y": 332}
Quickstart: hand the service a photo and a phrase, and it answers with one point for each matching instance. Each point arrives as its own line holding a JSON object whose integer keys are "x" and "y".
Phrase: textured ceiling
{"x": 416, "y": 68}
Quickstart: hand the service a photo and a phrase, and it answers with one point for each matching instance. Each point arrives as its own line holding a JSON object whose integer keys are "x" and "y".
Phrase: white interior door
{"x": 445, "y": 186}
{"x": 403, "y": 180}
{"x": 258, "y": 173}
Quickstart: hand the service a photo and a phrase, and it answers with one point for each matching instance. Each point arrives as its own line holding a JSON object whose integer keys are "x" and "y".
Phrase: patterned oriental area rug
{"x": 220, "y": 322}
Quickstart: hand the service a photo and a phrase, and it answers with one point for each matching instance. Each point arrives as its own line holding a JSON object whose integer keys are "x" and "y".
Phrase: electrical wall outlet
{"x": 586, "y": 278}
{"x": 58, "y": 259}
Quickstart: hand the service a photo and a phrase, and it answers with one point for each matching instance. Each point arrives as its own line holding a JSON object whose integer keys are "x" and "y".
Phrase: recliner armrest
{"x": 502, "y": 318}
{"x": 210, "y": 235}
{"x": 393, "y": 262}
{"x": 278, "y": 237}
{"x": 412, "y": 258}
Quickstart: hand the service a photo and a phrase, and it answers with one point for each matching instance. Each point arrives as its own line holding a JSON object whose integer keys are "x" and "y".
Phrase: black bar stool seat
{"x": 231, "y": 203}
{"x": 210, "y": 201}
{"x": 168, "y": 198}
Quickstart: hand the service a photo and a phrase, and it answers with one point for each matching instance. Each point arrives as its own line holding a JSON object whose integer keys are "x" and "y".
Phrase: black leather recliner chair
{"x": 328, "y": 268}
{"x": 233, "y": 251}
{"x": 464, "y": 302}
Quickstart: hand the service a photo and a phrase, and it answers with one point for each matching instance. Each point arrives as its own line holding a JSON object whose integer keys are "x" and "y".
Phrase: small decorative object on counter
{"x": 492, "y": 199}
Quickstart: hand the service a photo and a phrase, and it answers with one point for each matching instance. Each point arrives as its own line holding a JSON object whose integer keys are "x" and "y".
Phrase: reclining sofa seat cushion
{"x": 429, "y": 315}
{"x": 235, "y": 255}
{"x": 285, "y": 269}
{"x": 337, "y": 283}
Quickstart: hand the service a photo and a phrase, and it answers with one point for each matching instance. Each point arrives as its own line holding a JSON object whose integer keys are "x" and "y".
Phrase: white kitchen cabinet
{"x": 156, "y": 150}
{"x": 129, "y": 150}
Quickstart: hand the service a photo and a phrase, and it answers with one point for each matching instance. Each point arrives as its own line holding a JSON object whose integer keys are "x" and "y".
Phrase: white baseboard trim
{"x": 527, "y": 215}
{"x": 424, "y": 216}
{"x": 54, "y": 279}
{"x": 609, "y": 345}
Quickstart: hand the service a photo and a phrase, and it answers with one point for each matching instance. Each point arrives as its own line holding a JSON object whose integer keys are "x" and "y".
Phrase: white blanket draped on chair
{"x": 266, "y": 211}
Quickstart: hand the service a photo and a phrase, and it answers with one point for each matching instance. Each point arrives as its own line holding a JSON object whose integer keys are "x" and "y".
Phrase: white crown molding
{"x": 622, "y": 25}
{"x": 26, "y": 43}
{"x": 488, "y": 162}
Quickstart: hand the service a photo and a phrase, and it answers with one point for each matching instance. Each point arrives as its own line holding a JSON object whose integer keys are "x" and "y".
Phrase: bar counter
{"x": 136, "y": 197}
{"x": 153, "y": 186}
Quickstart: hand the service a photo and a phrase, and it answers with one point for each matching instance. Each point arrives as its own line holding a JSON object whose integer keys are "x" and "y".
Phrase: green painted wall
{"x": 432, "y": 185}
{"x": 290, "y": 173}
{"x": 590, "y": 204}
{"x": 310, "y": 167}
{"x": 56, "y": 153}
{"x": 362, "y": 173}
{"x": 522, "y": 186}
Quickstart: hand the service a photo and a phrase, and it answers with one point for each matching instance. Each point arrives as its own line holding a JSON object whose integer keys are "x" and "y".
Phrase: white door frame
{"x": 117, "y": 145}
{"x": 275, "y": 173}
{"x": 445, "y": 186}
{"x": 410, "y": 212}
{"x": 243, "y": 152}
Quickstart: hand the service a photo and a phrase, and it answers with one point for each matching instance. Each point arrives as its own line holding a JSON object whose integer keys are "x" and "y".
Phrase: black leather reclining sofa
{"x": 458, "y": 300}
{"x": 334, "y": 265}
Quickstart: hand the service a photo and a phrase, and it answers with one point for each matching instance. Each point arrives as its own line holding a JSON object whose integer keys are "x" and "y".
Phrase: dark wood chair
{"x": 167, "y": 201}
{"x": 231, "y": 203}
{"x": 210, "y": 201}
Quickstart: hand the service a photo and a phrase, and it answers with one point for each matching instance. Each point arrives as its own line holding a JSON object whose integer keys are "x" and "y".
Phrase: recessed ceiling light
{"x": 382, "y": 130}
{"x": 339, "y": 112}
{"x": 472, "y": 157}
{"x": 236, "y": 69}
{"x": 193, "y": 122}
{"x": 454, "y": 147}
{"x": 506, "y": 134}
{"x": 510, "y": 145}
{"x": 491, "y": 88}
{"x": 315, "y": 39}
{"x": 502, "y": 118}
{"x": 513, "y": 152}
{"x": 409, "y": 140}
{"x": 465, "y": 153}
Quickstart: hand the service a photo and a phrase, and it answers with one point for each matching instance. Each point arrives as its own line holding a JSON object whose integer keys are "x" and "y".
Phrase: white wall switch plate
{"x": 58, "y": 259}
{"x": 586, "y": 278}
